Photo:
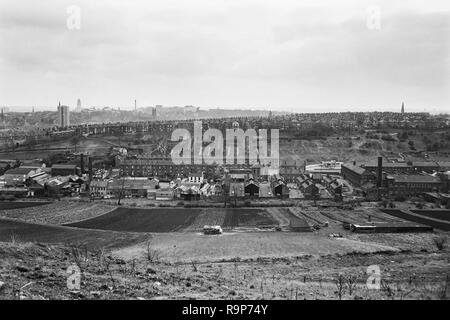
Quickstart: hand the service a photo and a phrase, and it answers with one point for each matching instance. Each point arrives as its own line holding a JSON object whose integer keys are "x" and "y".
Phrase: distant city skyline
{"x": 293, "y": 56}
{"x": 131, "y": 108}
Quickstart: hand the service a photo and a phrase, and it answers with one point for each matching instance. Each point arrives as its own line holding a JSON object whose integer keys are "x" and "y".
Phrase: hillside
{"x": 37, "y": 271}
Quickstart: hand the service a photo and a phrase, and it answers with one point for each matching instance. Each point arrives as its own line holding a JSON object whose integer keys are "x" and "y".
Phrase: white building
{"x": 196, "y": 177}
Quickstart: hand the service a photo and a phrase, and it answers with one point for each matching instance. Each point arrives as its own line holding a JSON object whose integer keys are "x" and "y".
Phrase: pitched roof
{"x": 64, "y": 166}
{"x": 356, "y": 169}
{"x": 21, "y": 170}
{"x": 415, "y": 178}
{"x": 425, "y": 164}
{"x": 265, "y": 190}
{"x": 387, "y": 165}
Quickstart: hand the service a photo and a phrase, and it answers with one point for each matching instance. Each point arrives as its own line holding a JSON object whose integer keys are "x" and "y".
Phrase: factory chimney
{"x": 379, "y": 177}
{"x": 82, "y": 163}
{"x": 90, "y": 169}
{"x": 379, "y": 172}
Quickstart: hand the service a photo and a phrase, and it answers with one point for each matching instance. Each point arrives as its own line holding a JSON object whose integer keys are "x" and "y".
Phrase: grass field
{"x": 12, "y": 231}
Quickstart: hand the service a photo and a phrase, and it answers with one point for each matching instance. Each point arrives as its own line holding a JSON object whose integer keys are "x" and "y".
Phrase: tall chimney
{"x": 82, "y": 163}
{"x": 379, "y": 172}
{"x": 90, "y": 168}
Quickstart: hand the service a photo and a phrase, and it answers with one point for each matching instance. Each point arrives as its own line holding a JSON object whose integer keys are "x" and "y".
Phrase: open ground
{"x": 161, "y": 253}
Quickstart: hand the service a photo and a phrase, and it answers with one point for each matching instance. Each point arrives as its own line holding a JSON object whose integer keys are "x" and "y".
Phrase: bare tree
{"x": 153, "y": 255}
{"x": 352, "y": 281}
{"x": 340, "y": 286}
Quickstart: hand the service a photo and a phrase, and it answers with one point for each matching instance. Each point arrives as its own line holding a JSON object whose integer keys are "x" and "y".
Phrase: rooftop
{"x": 356, "y": 169}
{"x": 64, "y": 166}
{"x": 415, "y": 178}
{"x": 21, "y": 170}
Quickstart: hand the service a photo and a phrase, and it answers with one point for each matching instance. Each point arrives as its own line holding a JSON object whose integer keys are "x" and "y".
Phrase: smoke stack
{"x": 354, "y": 163}
{"x": 82, "y": 163}
{"x": 90, "y": 168}
{"x": 379, "y": 172}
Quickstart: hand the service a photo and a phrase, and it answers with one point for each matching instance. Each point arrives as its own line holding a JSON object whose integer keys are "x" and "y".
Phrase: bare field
{"x": 237, "y": 264}
{"x": 437, "y": 214}
{"x": 177, "y": 219}
{"x": 59, "y": 212}
{"x": 17, "y": 231}
{"x": 141, "y": 220}
{"x": 246, "y": 245}
{"x": 7, "y": 205}
{"x": 404, "y": 276}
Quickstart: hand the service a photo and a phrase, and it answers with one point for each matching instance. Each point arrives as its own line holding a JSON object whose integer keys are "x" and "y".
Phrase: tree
{"x": 122, "y": 188}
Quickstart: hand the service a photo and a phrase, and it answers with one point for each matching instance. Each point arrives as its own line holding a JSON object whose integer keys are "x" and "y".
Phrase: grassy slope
{"x": 417, "y": 275}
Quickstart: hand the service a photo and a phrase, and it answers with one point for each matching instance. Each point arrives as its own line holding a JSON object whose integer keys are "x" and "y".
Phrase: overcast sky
{"x": 302, "y": 56}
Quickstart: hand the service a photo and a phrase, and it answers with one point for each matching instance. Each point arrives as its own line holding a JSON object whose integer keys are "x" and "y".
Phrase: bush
{"x": 440, "y": 242}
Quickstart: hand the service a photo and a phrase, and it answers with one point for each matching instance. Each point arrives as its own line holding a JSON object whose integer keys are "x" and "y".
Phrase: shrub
{"x": 440, "y": 242}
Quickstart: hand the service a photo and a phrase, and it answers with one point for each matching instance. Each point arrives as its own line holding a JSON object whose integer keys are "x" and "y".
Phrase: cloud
{"x": 225, "y": 53}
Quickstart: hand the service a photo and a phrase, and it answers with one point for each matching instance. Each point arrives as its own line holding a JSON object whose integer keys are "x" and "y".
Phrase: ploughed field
{"x": 7, "y": 205}
{"x": 18, "y": 231}
{"x": 101, "y": 216}
{"x": 431, "y": 218}
{"x": 437, "y": 214}
{"x": 58, "y": 212}
{"x": 177, "y": 219}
